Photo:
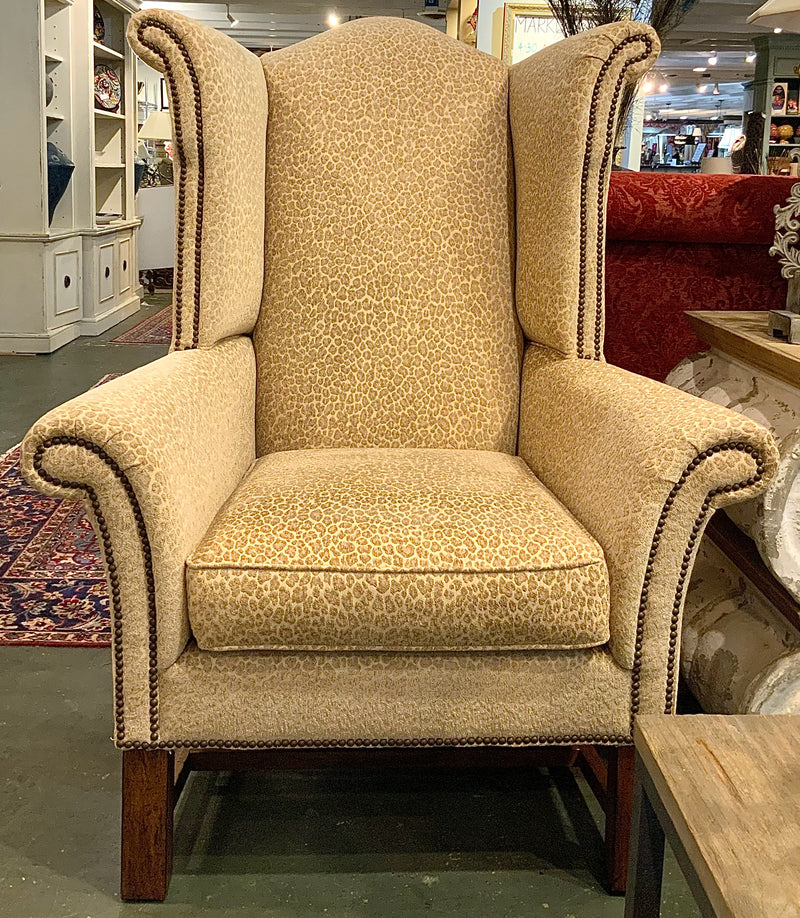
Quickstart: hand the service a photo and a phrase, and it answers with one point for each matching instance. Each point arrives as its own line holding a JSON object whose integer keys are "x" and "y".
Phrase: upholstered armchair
{"x": 384, "y": 491}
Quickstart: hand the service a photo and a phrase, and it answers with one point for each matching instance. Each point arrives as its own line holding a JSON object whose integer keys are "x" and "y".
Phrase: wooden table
{"x": 745, "y": 335}
{"x": 725, "y": 789}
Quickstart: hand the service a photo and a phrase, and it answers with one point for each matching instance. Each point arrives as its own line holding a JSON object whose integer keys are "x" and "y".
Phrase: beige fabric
{"x": 563, "y": 115}
{"x": 388, "y": 316}
{"x": 282, "y": 698}
{"x": 611, "y": 446}
{"x": 395, "y": 549}
{"x": 181, "y": 431}
{"x": 219, "y": 204}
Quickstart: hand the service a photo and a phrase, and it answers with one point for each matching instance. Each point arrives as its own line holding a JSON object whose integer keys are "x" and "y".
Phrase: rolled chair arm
{"x": 218, "y": 101}
{"x": 642, "y": 466}
{"x": 154, "y": 454}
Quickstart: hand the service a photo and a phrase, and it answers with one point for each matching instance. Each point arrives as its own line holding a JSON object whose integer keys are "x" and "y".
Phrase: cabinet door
{"x": 105, "y": 278}
{"x": 65, "y": 281}
{"x": 125, "y": 255}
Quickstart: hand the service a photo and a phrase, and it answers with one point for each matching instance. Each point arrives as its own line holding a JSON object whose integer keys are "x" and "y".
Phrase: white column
{"x": 632, "y": 154}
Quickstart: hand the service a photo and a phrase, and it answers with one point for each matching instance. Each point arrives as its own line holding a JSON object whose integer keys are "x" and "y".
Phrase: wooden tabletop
{"x": 744, "y": 335}
{"x": 731, "y": 787}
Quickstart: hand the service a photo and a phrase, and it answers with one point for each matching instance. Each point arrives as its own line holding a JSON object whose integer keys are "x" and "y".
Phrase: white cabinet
{"x": 62, "y": 274}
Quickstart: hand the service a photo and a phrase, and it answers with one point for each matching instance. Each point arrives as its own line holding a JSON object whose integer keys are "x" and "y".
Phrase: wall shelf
{"x": 99, "y": 113}
{"x": 105, "y": 53}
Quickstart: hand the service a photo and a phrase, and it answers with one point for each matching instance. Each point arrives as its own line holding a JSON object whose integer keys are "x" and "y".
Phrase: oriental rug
{"x": 52, "y": 585}
{"x": 155, "y": 329}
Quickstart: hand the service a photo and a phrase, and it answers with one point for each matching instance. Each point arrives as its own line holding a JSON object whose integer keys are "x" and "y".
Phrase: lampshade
{"x": 158, "y": 126}
{"x": 778, "y": 14}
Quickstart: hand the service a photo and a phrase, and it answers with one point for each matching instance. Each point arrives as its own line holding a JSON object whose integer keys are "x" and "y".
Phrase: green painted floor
{"x": 416, "y": 842}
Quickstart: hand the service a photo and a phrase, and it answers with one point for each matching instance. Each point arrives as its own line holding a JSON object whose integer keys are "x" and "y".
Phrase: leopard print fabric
{"x": 218, "y": 100}
{"x": 272, "y": 698}
{"x": 395, "y": 549}
{"x": 635, "y": 438}
{"x": 388, "y": 314}
{"x": 562, "y": 154}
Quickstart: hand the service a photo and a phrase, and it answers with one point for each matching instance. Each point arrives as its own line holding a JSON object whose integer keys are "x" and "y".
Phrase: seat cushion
{"x": 396, "y": 549}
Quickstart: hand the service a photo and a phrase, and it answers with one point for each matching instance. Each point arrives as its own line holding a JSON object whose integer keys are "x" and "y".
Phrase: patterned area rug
{"x": 155, "y": 329}
{"x": 52, "y": 585}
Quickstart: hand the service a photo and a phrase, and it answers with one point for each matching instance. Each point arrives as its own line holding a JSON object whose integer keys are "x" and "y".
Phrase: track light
{"x": 333, "y": 20}
{"x": 713, "y": 60}
{"x": 777, "y": 30}
{"x": 698, "y": 69}
{"x": 231, "y": 19}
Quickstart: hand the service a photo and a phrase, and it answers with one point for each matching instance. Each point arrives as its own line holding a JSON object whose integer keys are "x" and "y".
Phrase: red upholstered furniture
{"x": 678, "y": 242}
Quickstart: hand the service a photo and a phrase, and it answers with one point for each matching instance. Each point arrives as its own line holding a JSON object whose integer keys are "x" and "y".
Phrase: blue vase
{"x": 59, "y": 171}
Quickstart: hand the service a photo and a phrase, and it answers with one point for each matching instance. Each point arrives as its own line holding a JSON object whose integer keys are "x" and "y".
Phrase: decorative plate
{"x": 107, "y": 88}
{"x": 99, "y": 25}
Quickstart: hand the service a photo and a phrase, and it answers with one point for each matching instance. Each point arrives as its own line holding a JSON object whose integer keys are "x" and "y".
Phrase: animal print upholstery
{"x": 272, "y": 698}
{"x": 218, "y": 100}
{"x": 562, "y": 155}
{"x": 635, "y": 462}
{"x": 426, "y": 352}
{"x": 388, "y": 314}
{"x": 161, "y": 449}
{"x": 374, "y": 549}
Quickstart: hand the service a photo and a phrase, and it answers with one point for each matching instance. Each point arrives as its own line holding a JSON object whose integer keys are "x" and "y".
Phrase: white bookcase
{"x": 75, "y": 274}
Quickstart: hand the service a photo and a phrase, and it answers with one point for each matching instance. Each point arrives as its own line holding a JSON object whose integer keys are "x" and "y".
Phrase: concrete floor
{"x": 416, "y": 842}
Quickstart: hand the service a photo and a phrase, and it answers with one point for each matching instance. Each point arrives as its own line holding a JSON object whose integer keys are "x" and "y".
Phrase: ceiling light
{"x": 231, "y": 19}
{"x": 333, "y": 20}
{"x": 715, "y": 91}
{"x": 684, "y": 117}
{"x": 698, "y": 69}
{"x": 750, "y": 57}
{"x": 712, "y": 60}
{"x": 702, "y": 87}
{"x": 663, "y": 87}
{"x": 777, "y": 30}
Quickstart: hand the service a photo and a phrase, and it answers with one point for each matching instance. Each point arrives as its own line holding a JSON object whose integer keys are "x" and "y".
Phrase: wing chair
{"x": 384, "y": 491}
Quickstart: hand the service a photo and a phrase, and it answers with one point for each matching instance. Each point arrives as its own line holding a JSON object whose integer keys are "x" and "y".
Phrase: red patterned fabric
{"x": 680, "y": 242}
{"x": 651, "y": 206}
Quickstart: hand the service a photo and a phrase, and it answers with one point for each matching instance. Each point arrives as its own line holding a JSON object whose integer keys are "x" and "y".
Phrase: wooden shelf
{"x": 105, "y": 53}
{"x": 99, "y": 113}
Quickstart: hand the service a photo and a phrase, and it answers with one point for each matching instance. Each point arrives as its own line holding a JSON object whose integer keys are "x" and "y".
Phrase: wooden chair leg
{"x": 619, "y": 799}
{"x": 148, "y": 779}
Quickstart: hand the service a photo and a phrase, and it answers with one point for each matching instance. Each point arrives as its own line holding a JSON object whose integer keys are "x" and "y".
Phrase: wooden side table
{"x": 725, "y": 790}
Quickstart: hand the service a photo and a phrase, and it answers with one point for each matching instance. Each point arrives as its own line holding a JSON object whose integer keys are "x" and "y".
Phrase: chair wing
{"x": 218, "y": 97}
{"x": 564, "y": 104}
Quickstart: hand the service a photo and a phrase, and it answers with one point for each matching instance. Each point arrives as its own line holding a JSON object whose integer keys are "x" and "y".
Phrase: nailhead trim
{"x": 150, "y": 22}
{"x": 685, "y": 566}
{"x": 113, "y": 576}
{"x": 590, "y": 134}
{"x": 564, "y": 739}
